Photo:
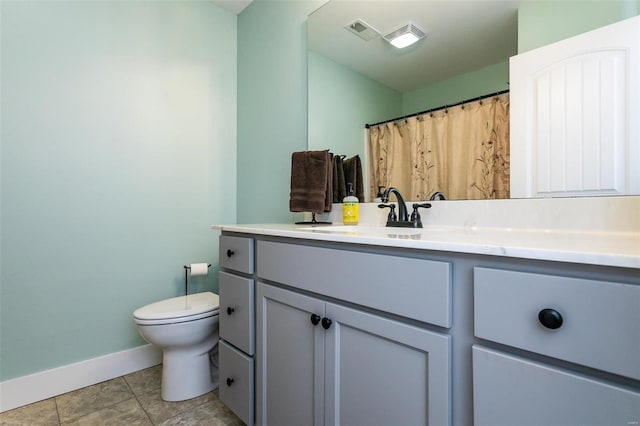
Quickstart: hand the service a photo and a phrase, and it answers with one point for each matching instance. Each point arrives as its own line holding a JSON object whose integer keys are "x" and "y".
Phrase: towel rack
{"x": 313, "y": 221}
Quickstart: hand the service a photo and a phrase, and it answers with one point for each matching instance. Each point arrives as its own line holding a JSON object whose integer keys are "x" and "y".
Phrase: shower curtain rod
{"x": 478, "y": 98}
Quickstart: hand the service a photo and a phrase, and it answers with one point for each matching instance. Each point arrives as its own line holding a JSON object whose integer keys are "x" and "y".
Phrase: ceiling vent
{"x": 363, "y": 30}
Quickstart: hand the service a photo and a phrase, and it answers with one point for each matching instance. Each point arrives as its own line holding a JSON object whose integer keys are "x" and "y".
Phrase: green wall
{"x": 272, "y": 105}
{"x": 544, "y": 22}
{"x": 118, "y": 153}
{"x": 491, "y": 79}
{"x": 341, "y": 102}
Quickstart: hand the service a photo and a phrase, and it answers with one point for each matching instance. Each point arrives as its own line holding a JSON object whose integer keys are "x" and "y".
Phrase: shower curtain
{"x": 462, "y": 151}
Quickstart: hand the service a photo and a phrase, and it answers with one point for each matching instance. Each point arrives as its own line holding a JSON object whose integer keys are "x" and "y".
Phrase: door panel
{"x": 380, "y": 371}
{"x": 288, "y": 358}
{"x": 510, "y": 390}
{"x": 574, "y": 105}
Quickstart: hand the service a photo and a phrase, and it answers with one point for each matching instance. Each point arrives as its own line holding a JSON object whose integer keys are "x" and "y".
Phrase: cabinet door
{"x": 236, "y": 310}
{"x": 507, "y": 305}
{"x": 509, "y": 390}
{"x": 574, "y": 109}
{"x": 383, "y": 372}
{"x": 236, "y": 381}
{"x": 289, "y": 358}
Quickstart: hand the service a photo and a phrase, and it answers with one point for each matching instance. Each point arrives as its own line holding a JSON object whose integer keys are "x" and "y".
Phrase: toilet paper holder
{"x": 186, "y": 277}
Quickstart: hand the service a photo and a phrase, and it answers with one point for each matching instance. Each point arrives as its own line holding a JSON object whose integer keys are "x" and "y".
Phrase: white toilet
{"x": 186, "y": 328}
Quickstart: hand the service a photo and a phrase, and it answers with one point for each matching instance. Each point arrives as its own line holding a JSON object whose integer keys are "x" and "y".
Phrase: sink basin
{"x": 361, "y": 230}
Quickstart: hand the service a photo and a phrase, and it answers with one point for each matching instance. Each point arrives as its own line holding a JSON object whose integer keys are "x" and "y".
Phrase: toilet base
{"x": 186, "y": 376}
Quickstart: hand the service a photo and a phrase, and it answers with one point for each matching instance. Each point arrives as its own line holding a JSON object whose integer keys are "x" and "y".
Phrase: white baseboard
{"x": 46, "y": 384}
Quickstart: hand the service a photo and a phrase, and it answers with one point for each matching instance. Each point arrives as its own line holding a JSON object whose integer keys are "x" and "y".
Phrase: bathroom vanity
{"x": 502, "y": 312}
{"x": 440, "y": 326}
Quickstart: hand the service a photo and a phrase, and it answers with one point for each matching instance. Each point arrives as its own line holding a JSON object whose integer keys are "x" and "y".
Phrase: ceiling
{"x": 462, "y": 36}
{"x": 233, "y": 6}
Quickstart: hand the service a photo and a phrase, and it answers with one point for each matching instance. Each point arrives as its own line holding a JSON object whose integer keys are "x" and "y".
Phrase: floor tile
{"x": 146, "y": 380}
{"x": 209, "y": 414}
{"x": 128, "y": 413}
{"x": 159, "y": 410}
{"x": 84, "y": 401}
{"x": 41, "y": 413}
{"x": 114, "y": 403}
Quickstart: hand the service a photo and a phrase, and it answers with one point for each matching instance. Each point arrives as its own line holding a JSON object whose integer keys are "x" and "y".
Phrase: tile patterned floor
{"x": 133, "y": 399}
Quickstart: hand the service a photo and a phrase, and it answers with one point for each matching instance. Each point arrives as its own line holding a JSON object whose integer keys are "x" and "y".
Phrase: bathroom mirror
{"x": 464, "y": 55}
{"x": 462, "y": 37}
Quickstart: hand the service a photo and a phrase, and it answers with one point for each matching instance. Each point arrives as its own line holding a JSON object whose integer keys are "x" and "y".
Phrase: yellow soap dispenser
{"x": 350, "y": 207}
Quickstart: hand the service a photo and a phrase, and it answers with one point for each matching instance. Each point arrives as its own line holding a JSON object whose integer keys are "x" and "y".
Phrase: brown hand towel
{"x": 339, "y": 187}
{"x": 353, "y": 174}
{"x": 310, "y": 181}
{"x": 328, "y": 198}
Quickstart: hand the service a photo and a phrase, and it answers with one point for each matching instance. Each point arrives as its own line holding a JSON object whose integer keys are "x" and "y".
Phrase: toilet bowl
{"x": 186, "y": 328}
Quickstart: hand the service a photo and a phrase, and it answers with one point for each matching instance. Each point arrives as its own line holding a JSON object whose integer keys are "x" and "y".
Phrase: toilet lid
{"x": 179, "y": 307}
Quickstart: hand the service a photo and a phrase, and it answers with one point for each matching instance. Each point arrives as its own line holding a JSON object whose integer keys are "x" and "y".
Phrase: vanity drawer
{"x": 236, "y": 311}
{"x": 510, "y": 390}
{"x": 600, "y": 320}
{"x": 236, "y": 382}
{"x": 414, "y": 288}
{"x": 236, "y": 253}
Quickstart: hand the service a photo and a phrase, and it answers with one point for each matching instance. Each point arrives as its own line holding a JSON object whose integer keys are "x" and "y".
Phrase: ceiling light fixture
{"x": 405, "y": 36}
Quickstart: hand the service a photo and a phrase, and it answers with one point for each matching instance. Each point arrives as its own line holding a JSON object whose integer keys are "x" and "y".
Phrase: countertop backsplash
{"x": 580, "y": 214}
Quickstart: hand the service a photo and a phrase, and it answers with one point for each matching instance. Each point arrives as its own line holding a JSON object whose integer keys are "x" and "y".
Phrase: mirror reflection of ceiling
{"x": 462, "y": 36}
{"x": 233, "y": 6}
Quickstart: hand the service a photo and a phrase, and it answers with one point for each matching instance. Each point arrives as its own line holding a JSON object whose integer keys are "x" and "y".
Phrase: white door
{"x": 574, "y": 115}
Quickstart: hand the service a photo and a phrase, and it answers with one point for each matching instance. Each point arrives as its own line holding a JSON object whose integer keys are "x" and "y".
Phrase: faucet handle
{"x": 423, "y": 205}
{"x": 392, "y": 217}
{"x": 415, "y": 216}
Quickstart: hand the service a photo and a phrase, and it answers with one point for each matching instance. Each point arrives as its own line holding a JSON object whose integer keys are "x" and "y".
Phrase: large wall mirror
{"x": 356, "y": 77}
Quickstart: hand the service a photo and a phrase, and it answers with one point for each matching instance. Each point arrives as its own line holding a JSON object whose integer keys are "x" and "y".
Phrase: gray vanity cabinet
{"x": 590, "y": 323}
{"x": 288, "y": 377}
{"x": 381, "y": 371}
{"x": 355, "y": 334}
{"x": 236, "y": 346}
{"x": 322, "y": 363}
{"x": 513, "y": 390}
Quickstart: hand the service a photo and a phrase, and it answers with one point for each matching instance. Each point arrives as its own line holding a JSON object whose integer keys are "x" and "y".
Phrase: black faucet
{"x": 437, "y": 196}
{"x": 402, "y": 208}
{"x": 402, "y": 220}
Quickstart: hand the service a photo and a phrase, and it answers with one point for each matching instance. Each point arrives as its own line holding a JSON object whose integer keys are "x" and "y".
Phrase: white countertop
{"x": 620, "y": 249}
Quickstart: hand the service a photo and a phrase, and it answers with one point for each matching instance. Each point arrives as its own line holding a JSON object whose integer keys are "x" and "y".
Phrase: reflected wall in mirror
{"x": 353, "y": 82}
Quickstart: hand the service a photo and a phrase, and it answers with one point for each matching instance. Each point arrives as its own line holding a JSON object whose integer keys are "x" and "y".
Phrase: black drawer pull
{"x": 315, "y": 319}
{"x": 550, "y": 318}
{"x": 326, "y": 323}
{"x": 229, "y": 381}
{"x": 230, "y": 253}
{"x": 230, "y": 310}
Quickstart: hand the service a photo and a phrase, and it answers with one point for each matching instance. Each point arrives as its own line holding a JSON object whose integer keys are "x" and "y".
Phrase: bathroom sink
{"x": 426, "y": 233}
{"x": 361, "y": 230}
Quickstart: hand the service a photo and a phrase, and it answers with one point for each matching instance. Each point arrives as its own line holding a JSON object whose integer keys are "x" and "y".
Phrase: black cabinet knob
{"x": 229, "y": 381}
{"x": 315, "y": 319}
{"x": 550, "y": 318}
{"x": 230, "y": 253}
{"x": 230, "y": 310}
{"x": 326, "y": 323}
